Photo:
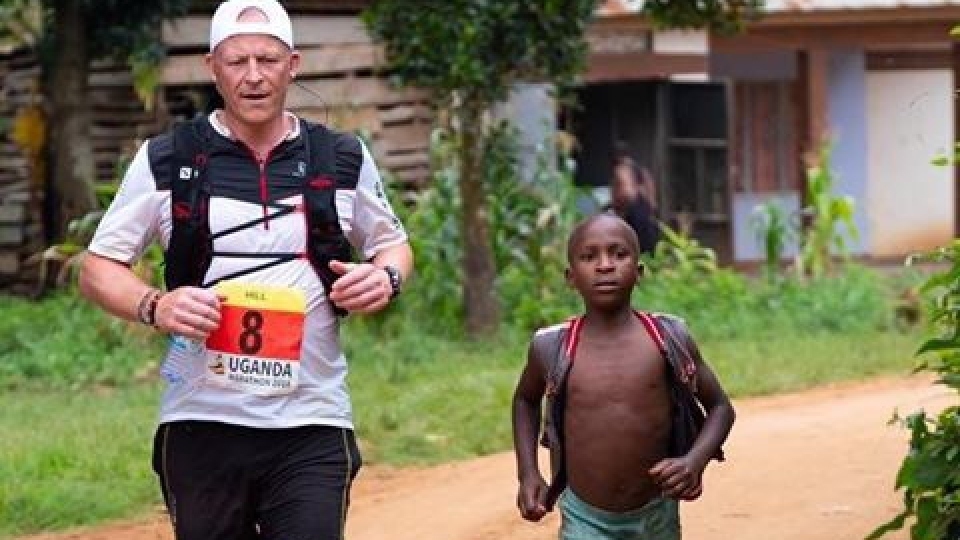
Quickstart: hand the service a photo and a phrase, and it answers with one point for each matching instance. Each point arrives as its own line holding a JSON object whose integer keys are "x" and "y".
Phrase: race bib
{"x": 256, "y": 349}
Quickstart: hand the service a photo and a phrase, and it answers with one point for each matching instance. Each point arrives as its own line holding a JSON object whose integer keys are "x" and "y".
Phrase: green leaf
{"x": 894, "y": 524}
{"x": 940, "y": 161}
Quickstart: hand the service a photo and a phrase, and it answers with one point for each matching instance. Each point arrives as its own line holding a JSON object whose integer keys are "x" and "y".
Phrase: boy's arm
{"x": 681, "y": 478}
{"x": 526, "y": 430}
{"x": 720, "y": 414}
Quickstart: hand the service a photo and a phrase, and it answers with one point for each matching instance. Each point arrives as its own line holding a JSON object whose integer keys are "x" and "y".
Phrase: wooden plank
{"x": 340, "y": 59}
{"x": 411, "y": 176}
{"x": 405, "y": 161}
{"x": 336, "y": 92}
{"x": 835, "y": 36}
{"x": 399, "y": 138}
{"x": 9, "y": 264}
{"x": 909, "y": 59}
{"x": 623, "y": 67}
{"x": 328, "y": 60}
{"x": 405, "y": 113}
{"x": 355, "y": 119}
{"x": 113, "y": 133}
{"x": 12, "y": 213}
{"x": 112, "y": 78}
{"x": 11, "y": 235}
{"x": 194, "y": 31}
{"x": 398, "y": 146}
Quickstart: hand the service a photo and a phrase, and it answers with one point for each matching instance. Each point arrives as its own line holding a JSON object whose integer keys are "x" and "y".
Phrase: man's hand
{"x": 678, "y": 478}
{"x": 530, "y": 499}
{"x": 191, "y": 312}
{"x": 361, "y": 288}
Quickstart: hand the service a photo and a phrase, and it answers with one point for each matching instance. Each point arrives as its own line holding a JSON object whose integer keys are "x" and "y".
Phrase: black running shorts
{"x": 227, "y": 482}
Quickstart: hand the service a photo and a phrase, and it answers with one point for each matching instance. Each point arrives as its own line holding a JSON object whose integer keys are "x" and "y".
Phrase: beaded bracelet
{"x": 147, "y": 307}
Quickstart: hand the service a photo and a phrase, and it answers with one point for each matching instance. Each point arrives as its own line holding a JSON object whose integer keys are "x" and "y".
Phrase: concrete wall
{"x": 847, "y": 122}
{"x": 746, "y": 244}
{"x": 910, "y": 121}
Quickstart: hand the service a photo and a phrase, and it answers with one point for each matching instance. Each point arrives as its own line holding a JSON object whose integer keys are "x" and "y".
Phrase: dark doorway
{"x": 679, "y": 132}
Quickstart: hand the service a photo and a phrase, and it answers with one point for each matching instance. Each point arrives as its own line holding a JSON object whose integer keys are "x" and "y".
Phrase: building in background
{"x": 724, "y": 122}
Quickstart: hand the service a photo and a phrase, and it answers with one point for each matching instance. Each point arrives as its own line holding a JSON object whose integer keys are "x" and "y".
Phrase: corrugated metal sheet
{"x": 621, "y": 7}
{"x": 774, "y": 6}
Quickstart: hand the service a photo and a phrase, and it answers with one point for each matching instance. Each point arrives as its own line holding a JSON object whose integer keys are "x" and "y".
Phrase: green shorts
{"x": 659, "y": 519}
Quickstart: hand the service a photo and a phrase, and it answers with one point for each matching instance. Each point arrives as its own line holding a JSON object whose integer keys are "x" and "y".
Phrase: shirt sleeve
{"x": 135, "y": 217}
{"x": 372, "y": 224}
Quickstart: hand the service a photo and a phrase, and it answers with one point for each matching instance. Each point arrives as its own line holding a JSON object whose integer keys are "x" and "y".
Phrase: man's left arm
{"x": 376, "y": 232}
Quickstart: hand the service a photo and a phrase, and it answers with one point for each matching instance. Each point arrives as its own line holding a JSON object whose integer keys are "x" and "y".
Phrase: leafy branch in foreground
{"x": 930, "y": 472}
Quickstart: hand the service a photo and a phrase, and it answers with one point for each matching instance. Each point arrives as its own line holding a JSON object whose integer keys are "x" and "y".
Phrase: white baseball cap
{"x": 225, "y": 24}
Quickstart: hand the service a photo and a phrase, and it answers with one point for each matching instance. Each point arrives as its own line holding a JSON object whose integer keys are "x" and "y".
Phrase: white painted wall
{"x": 909, "y": 122}
{"x": 532, "y": 111}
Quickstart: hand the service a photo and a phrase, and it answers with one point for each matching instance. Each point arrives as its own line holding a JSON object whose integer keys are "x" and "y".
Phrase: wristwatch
{"x": 396, "y": 280}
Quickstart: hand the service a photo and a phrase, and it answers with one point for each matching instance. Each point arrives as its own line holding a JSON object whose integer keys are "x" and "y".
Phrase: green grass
{"x": 74, "y": 458}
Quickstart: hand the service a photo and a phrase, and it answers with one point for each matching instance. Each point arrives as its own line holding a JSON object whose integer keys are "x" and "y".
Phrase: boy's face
{"x": 604, "y": 263}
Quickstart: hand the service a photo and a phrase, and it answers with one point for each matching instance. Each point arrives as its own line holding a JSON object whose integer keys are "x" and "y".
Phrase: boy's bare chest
{"x": 606, "y": 373}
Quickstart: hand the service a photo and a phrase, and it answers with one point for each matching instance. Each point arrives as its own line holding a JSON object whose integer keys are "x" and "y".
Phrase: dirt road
{"x": 817, "y": 465}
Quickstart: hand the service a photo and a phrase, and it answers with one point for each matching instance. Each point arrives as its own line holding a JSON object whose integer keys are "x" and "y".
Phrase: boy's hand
{"x": 678, "y": 478}
{"x": 530, "y": 499}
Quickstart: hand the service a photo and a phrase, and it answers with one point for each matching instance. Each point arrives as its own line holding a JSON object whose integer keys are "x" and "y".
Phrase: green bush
{"x": 930, "y": 473}
{"x": 64, "y": 342}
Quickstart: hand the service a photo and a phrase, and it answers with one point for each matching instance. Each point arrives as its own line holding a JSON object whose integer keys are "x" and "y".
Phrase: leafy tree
{"x": 69, "y": 34}
{"x": 721, "y": 16}
{"x": 469, "y": 53}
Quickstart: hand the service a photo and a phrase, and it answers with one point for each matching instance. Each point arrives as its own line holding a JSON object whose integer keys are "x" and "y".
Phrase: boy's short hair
{"x": 581, "y": 226}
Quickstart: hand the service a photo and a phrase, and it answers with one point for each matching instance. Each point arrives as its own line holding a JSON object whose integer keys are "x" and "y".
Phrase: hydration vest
{"x": 190, "y": 250}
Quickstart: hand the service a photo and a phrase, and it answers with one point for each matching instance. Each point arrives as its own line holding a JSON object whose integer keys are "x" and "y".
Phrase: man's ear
{"x": 641, "y": 269}
{"x": 294, "y": 64}
{"x": 568, "y": 276}
{"x": 208, "y": 62}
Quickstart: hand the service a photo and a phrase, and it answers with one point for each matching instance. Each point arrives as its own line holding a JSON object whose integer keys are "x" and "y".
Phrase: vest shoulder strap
{"x": 334, "y": 161}
{"x": 191, "y": 246}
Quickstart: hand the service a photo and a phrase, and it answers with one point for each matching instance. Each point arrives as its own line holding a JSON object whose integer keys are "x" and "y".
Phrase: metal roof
{"x": 621, "y": 7}
{"x": 774, "y": 6}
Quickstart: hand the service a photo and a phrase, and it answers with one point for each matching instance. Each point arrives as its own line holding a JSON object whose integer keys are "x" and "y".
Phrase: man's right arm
{"x": 123, "y": 234}
{"x": 113, "y": 286}
{"x": 135, "y": 219}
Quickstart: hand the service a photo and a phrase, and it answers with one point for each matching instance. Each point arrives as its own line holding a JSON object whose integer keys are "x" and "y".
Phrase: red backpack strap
{"x": 572, "y": 337}
{"x": 653, "y": 330}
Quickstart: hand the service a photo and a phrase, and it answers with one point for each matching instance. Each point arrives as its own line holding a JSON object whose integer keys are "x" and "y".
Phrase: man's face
{"x": 252, "y": 73}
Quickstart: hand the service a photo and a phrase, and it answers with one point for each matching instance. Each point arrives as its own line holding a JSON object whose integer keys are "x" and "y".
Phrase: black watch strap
{"x": 396, "y": 280}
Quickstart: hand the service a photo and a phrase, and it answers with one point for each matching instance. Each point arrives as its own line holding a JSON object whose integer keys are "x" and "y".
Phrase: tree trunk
{"x": 479, "y": 269}
{"x": 71, "y": 150}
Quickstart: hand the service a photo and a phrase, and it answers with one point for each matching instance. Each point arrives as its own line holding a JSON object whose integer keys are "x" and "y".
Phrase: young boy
{"x": 611, "y": 403}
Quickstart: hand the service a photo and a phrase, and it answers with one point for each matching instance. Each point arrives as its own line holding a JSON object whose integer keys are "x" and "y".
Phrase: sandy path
{"x": 817, "y": 465}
